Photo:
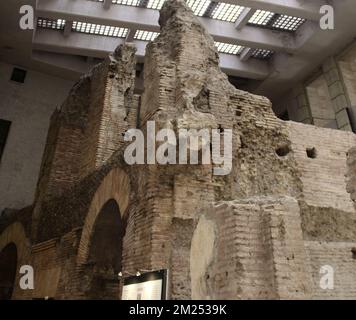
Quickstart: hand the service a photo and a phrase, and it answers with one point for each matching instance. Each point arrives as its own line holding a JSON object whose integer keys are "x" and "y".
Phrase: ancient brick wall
{"x": 257, "y": 252}
{"x": 321, "y": 161}
{"x": 60, "y": 163}
{"x": 351, "y": 174}
{"x": 259, "y": 232}
{"x": 88, "y": 128}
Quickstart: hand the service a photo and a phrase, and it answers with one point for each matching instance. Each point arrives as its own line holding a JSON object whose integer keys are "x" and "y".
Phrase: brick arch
{"x": 116, "y": 186}
{"x": 15, "y": 234}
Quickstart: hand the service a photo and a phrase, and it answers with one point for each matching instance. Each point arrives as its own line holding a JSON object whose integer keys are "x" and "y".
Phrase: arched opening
{"x": 8, "y": 266}
{"x": 105, "y": 253}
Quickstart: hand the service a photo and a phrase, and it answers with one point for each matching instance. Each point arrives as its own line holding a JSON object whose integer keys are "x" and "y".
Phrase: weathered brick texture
{"x": 351, "y": 174}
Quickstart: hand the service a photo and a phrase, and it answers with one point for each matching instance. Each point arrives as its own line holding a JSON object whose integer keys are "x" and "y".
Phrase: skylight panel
{"x": 262, "y": 54}
{"x": 134, "y": 3}
{"x": 228, "y": 48}
{"x": 198, "y": 6}
{"x": 57, "y": 24}
{"x": 155, "y": 4}
{"x": 97, "y": 29}
{"x": 145, "y": 35}
{"x": 227, "y": 12}
{"x": 261, "y": 18}
{"x": 288, "y": 23}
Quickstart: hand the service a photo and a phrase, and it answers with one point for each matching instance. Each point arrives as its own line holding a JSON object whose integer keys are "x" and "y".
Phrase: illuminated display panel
{"x": 148, "y": 286}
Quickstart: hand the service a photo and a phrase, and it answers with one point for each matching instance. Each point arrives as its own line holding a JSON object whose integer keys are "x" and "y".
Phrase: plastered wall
{"x": 29, "y": 107}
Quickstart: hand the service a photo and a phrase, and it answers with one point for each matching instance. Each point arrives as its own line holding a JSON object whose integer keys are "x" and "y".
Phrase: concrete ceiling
{"x": 68, "y": 54}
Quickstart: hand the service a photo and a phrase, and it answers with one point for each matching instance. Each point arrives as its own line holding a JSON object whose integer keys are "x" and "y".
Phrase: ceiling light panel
{"x": 198, "y": 6}
{"x": 226, "y": 12}
{"x": 155, "y": 4}
{"x": 57, "y": 24}
{"x": 228, "y": 48}
{"x": 262, "y": 54}
{"x": 134, "y": 3}
{"x": 97, "y": 29}
{"x": 145, "y": 35}
{"x": 287, "y": 23}
{"x": 261, "y": 18}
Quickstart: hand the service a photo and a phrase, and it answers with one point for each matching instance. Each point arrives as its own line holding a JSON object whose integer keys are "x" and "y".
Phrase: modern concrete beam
{"x": 68, "y": 28}
{"x": 246, "y": 54}
{"x": 67, "y": 62}
{"x": 142, "y": 18}
{"x": 107, "y": 4}
{"x": 130, "y": 35}
{"x": 100, "y": 47}
{"x": 244, "y": 17}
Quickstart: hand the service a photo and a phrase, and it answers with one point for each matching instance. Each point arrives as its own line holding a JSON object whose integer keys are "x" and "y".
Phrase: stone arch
{"x": 14, "y": 237}
{"x": 115, "y": 186}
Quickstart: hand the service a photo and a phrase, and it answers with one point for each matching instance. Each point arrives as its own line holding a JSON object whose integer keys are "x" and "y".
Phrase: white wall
{"x": 347, "y": 65}
{"x": 320, "y": 103}
{"x": 29, "y": 107}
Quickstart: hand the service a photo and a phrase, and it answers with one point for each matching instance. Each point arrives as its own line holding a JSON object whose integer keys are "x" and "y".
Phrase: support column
{"x": 337, "y": 93}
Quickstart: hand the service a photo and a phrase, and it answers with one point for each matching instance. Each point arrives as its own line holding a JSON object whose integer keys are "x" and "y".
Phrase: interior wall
{"x": 28, "y": 106}
{"x": 321, "y": 107}
{"x": 347, "y": 66}
{"x": 326, "y": 98}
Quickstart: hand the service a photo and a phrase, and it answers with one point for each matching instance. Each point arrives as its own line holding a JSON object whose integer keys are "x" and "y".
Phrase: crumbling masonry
{"x": 263, "y": 231}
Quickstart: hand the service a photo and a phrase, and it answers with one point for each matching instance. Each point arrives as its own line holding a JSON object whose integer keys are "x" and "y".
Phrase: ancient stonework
{"x": 263, "y": 231}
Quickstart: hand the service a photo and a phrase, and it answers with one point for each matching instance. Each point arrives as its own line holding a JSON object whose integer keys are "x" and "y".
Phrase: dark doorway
{"x": 8, "y": 266}
{"x": 105, "y": 253}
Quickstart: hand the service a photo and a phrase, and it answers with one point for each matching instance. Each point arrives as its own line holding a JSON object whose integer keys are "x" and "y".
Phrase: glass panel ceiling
{"x": 57, "y": 24}
{"x": 155, "y": 4}
{"x": 228, "y": 48}
{"x": 275, "y": 21}
{"x": 261, "y": 17}
{"x": 145, "y": 35}
{"x": 198, "y": 6}
{"x": 135, "y": 3}
{"x": 98, "y": 29}
{"x": 110, "y": 31}
{"x": 225, "y": 12}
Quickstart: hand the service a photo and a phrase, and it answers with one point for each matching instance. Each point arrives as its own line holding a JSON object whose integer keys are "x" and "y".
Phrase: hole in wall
{"x": 18, "y": 75}
{"x": 282, "y": 151}
{"x": 311, "y": 153}
{"x": 221, "y": 129}
{"x": 243, "y": 143}
{"x": 353, "y": 250}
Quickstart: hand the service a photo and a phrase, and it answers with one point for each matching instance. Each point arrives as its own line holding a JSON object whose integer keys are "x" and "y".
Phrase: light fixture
{"x": 227, "y": 12}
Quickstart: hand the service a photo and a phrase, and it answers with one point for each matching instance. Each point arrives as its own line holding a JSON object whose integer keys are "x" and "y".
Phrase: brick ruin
{"x": 262, "y": 232}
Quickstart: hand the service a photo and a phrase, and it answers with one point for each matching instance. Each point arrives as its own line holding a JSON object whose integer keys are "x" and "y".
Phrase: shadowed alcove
{"x": 105, "y": 252}
{"x": 8, "y": 265}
